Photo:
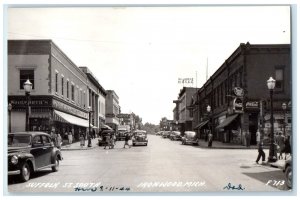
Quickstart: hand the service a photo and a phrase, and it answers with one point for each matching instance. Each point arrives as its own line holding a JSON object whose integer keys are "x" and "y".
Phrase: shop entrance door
{"x": 253, "y": 126}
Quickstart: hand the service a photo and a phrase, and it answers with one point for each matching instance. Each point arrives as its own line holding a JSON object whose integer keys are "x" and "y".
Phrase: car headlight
{"x": 14, "y": 160}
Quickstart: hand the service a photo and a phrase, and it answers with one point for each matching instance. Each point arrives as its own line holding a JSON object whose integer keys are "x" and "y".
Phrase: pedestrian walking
{"x": 114, "y": 138}
{"x": 261, "y": 153}
{"x": 58, "y": 141}
{"x": 287, "y": 148}
{"x": 127, "y": 137}
{"x": 107, "y": 141}
{"x": 258, "y": 137}
{"x": 247, "y": 139}
{"x": 70, "y": 137}
{"x": 111, "y": 141}
{"x": 210, "y": 138}
{"x": 82, "y": 140}
{"x": 281, "y": 144}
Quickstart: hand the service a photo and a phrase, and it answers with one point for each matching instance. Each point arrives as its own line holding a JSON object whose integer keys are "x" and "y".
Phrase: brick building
{"x": 238, "y": 95}
{"x": 60, "y": 95}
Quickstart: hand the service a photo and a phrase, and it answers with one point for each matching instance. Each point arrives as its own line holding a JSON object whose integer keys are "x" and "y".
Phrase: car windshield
{"x": 140, "y": 134}
{"x": 18, "y": 140}
{"x": 190, "y": 134}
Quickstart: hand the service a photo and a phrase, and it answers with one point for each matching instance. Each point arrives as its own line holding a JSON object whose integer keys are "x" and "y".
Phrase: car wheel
{"x": 288, "y": 176}
{"x": 146, "y": 144}
{"x": 25, "y": 172}
{"x": 56, "y": 167}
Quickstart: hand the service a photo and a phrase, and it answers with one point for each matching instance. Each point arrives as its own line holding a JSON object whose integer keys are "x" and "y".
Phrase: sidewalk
{"x": 76, "y": 145}
{"x": 221, "y": 145}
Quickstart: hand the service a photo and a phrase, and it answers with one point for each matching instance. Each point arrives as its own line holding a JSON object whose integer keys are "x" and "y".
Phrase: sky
{"x": 140, "y": 52}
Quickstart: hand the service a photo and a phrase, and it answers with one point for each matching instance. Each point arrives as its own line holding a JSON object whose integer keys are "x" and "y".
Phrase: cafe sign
{"x": 239, "y": 92}
{"x": 238, "y": 105}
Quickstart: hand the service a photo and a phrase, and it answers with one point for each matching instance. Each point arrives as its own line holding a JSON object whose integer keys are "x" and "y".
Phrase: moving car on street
{"x": 190, "y": 138}
{"x": 29, "y": 152}
{"x": 166, "y": 134}
{"x": 139, "y": 137}
{"x": 175, "y": 135}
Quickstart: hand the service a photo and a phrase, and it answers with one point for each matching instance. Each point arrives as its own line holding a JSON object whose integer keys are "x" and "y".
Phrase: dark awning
{"x": 105, "y": 127}
{"x": 199, "y": 126}
{"x": 227, "y": 121}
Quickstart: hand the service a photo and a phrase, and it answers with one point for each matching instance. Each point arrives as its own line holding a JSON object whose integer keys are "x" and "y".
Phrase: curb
{"x": 72, "y": 149}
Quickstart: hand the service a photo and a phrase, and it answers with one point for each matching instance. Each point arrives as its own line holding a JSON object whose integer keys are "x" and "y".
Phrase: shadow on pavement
{"x": 274, "y": 179}
{"x": 16, "y": 179}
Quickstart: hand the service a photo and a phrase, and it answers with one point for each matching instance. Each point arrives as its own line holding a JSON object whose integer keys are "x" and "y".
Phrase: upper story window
{"x": 67, "y": 88}
{"x": 62, "y": 85}
{"x": 56, "y": 82}
{"x": 24, "y": 76}
{"x": 279, "y": 79}
{"x": 73, "y": 92}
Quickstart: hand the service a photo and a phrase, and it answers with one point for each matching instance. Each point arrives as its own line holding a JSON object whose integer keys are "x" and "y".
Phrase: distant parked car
{"x": 175, "y": 135}
{"x": 29, "y": 152}
{"x": 158, "y": 133}
{"x": 288, "y": 172}
{"x": 190, "y": 138}
{"x": 139, "y": 137}
{"x": 166, "y": 134}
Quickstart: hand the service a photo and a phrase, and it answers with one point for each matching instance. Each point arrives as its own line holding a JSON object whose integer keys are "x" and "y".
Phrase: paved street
{"x": 182, "y": 168}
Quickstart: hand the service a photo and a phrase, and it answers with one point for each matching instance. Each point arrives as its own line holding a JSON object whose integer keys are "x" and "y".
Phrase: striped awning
{"x": 67, "y": 118}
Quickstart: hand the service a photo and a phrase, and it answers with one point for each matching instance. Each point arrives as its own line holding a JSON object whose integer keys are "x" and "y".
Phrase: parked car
{"x": 287, "y": 170}
{"x": 175, "y": 135}
{"x": 166, "y": 134}
{"x": 103, "y": 135}
{"x": 29, "y": 152}
{"x": 190, "y": 138}
{"x": 158, "y": 133}
{"x": 139, "y": 137}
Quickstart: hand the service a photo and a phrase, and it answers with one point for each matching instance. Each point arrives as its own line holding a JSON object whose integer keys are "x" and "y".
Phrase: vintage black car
{"x": 288, "y": 172}
{"x": 29, "y": 152}
{"x": 189, "y": 138}
{"x": 139, "y": 137}
{"x": 175, "y": 135}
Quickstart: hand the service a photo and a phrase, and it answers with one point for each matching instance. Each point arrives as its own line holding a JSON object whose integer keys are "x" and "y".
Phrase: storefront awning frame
{"x": 227, "y": 121}
{"x": 67, "y": 118}
{"x": 200, "y": 125}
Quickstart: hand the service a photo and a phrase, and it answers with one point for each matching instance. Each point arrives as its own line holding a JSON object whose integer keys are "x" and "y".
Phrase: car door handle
{"x": 44, "y": 148}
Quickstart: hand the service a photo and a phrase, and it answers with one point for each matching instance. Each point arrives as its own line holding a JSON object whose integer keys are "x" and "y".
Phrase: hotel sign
{"x": 121, "y": 115}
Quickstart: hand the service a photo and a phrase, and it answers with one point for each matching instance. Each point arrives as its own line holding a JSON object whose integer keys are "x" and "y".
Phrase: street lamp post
{"x": 208, "y": 109}
{"x": 284, "y": 116}
{"x": 9, "y": 117}
{"x": 27, "y": 87}
{"x": 271, "y": 85}
{"x": 89, "y": 135}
